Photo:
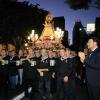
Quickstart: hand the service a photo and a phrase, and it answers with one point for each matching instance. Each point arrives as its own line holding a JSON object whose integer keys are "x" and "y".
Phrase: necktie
{"x": 11, "y": 58}
{"x": 90, "y": 54}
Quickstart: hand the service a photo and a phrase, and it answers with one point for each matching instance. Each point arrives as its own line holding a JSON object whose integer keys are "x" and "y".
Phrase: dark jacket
{"x": 3, "y": 71}
{"x": 92, "y": 64}
{"x": 12, "y": 68}
{"x": 64, "y": 68}
{"x": 45, "y": 64}
{"x": 30, "y": 72}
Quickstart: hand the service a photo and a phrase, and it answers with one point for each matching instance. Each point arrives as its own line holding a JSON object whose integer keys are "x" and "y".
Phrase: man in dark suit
{"x": 92, "y": 64}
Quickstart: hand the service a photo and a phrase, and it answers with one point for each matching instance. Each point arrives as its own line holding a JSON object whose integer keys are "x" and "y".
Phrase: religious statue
{"x": 50, "y": 38}
{"x": 48, "y": 30}
{"x": 48, "y": 20}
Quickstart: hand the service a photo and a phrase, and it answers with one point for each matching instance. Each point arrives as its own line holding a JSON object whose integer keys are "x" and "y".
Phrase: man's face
{"x": 30, "y": 51}
{"x": 20, "y": 53}
{"x": 13, "y": 53}
{"x": 62, "y": 53}
{"x": 3, "y": 52}
{"x": 67, "y": 53}
{"x": 54, "y": 54}
{"x": 50, "y": 53}
{"x": 90, "y": 44}
{"x": 37, "y": 53}
{"x": 25, "y": 53}
{"x": 44, "y": 52}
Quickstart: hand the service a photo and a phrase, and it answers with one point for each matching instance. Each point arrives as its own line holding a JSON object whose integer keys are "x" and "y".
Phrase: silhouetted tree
{"x": 17, "y": 19}
{"x": 83, "y": 4}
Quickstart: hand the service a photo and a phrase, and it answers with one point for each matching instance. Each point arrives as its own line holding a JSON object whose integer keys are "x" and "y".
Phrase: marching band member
{"x": 30, "y": 74}
{"x": 52, "y": 59}
{"x": 3, "y": 71}
{"x": 12, "y": 68}
{"x": 37, "y": 57}
{"x": 72, "y": 88}
{"x": 20, "y": 67}
{"x": 45, "y": 77}
{"x": 64, "y": 75}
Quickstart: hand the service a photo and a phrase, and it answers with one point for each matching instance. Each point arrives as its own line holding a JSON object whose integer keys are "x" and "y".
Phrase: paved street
{"x": 18, "y": 94}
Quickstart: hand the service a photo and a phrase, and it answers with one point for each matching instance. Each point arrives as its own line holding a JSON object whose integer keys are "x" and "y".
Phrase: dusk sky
{"x": 59, "y": 8}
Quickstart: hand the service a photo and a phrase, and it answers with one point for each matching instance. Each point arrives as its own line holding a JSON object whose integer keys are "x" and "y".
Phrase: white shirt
{"x": 94, "y": 49}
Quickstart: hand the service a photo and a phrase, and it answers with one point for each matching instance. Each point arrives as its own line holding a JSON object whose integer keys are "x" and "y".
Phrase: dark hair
{"x": 95, "y": 39}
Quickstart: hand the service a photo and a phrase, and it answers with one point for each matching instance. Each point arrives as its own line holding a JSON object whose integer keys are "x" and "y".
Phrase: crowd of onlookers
{"x": 46, "y": 71}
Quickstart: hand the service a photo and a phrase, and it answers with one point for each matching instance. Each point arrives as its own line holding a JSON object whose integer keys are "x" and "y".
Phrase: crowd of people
{"x": 43, "y": 70}
{"x": 50, "y": 72}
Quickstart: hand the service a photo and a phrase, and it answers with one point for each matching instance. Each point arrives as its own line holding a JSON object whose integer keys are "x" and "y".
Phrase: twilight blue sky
{"x": 59, "y": 8}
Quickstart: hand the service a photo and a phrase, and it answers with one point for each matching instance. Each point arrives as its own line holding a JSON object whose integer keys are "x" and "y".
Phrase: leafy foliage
{"x": 78, "y": 4}
{"x": 83, "y": 4}
{"x": 17, "y": 19}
